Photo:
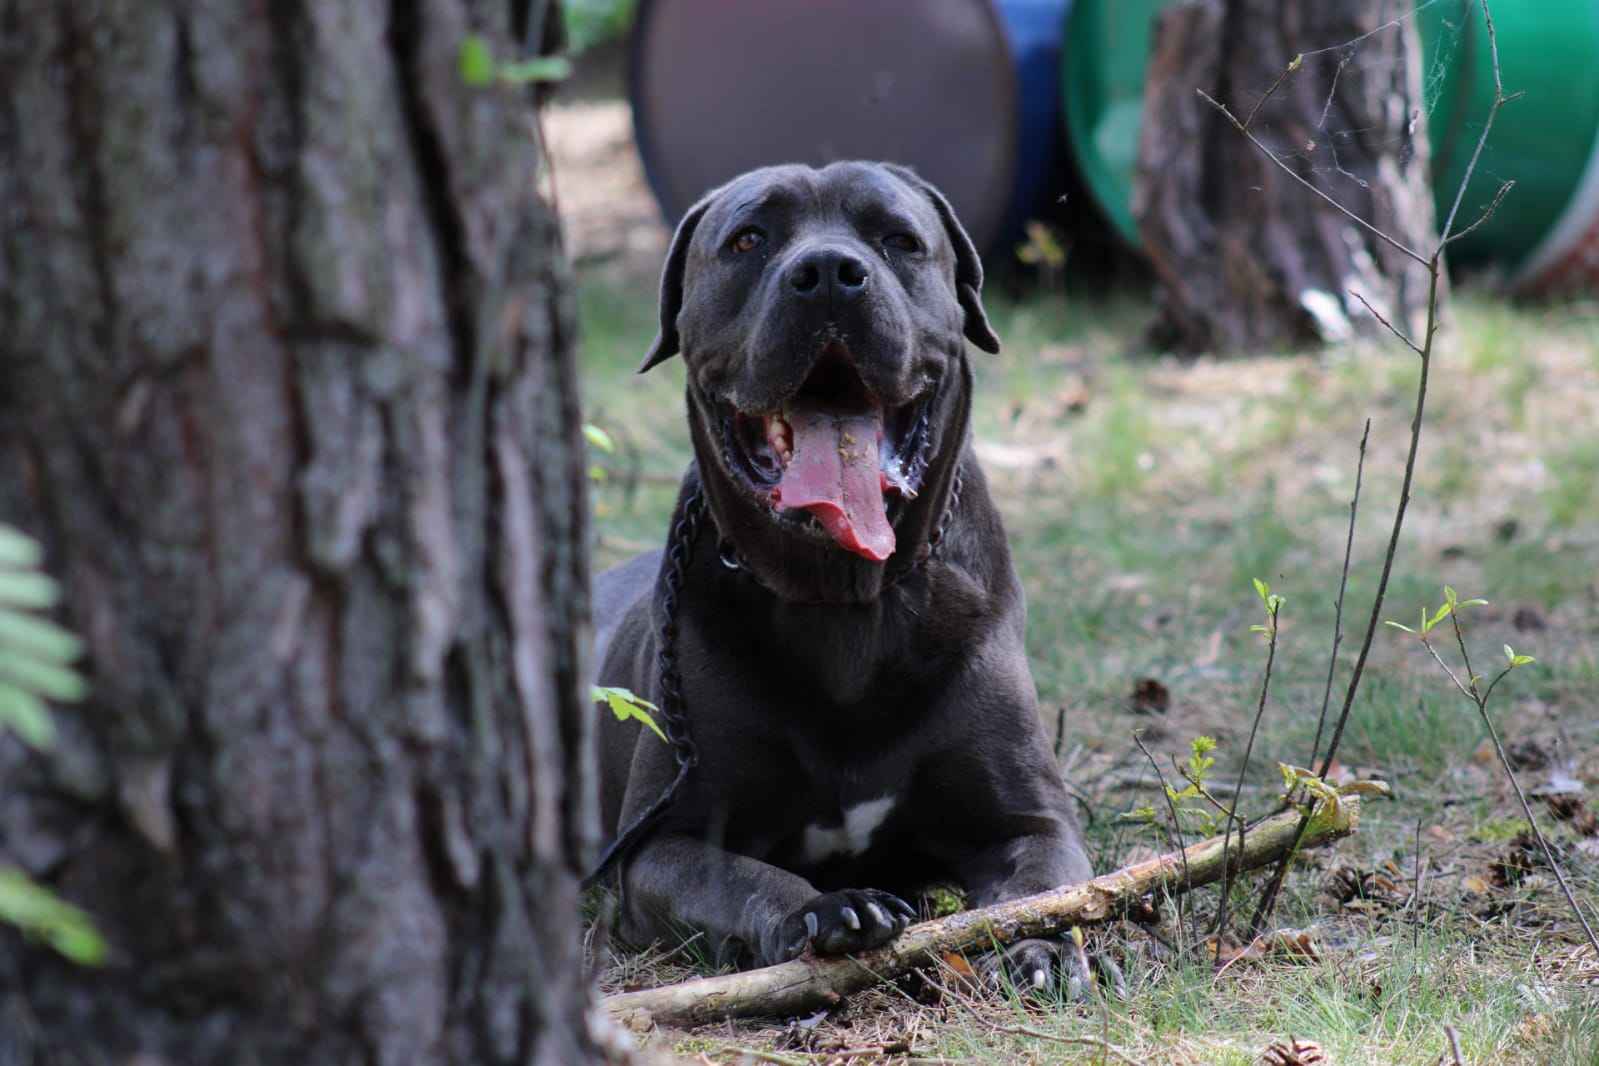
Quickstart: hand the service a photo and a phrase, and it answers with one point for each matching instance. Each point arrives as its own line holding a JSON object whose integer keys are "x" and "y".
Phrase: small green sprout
{"x": 480, "y": 70}
{"x": 624, "y": 704}
{"x": 1272, "y": 603}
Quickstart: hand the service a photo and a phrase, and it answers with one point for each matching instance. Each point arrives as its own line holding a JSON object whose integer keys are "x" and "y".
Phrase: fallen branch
{"x": 806, "y": 984}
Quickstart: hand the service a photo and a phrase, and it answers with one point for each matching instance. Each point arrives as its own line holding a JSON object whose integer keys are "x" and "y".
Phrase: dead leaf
{"x": 1530, "y": 753}
{"x": 1528, "y": 619}
{"x": 1150, "y": 697}
{"x": 958, "y": 965}
{"x": 1439, "y": 835}
{"x": 1477, "y": 886}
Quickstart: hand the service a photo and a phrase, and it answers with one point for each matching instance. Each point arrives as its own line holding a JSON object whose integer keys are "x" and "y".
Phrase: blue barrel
{"x": 964, "y": 91}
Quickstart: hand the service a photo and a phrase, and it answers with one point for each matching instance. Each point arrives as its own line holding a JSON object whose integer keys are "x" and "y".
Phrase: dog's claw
{"x": 844, "y": 922}
{"x": 1028, "y": 966}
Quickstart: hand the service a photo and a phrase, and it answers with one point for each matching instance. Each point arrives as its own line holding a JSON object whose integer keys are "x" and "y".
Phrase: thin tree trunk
{"x": 288, "y": 392}
{"x": 1246, "y": 257}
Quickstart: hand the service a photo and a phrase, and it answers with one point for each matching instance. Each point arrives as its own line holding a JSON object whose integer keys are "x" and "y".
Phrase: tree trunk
{"x": 1247, "y": 258}
{"x": 288, "y": 392}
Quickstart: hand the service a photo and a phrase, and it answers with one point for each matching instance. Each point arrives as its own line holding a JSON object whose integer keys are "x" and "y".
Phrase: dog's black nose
{"x": 824, "y": 270}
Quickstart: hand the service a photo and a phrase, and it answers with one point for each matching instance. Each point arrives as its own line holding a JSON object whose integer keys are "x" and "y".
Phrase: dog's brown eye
{"x": 747, "y": 239}
{"x": 901, "y": 242}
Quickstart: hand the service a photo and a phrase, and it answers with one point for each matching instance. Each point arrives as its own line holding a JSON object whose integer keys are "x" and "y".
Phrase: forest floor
{"x": 1142, "y": 497}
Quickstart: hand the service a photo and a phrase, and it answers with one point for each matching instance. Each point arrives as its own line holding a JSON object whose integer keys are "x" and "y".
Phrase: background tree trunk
{"x": 288, "y": 393}
{"x": 1247, "y": 258}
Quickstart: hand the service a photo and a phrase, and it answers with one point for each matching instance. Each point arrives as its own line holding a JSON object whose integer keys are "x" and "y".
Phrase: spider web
{"x": 1336, "y": 153}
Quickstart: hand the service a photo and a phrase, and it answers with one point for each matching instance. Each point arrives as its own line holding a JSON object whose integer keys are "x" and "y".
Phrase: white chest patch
{"x": 851, "y": 838}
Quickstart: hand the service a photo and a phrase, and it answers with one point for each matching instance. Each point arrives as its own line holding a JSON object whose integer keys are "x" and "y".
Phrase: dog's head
{"x": 823, "y": 316}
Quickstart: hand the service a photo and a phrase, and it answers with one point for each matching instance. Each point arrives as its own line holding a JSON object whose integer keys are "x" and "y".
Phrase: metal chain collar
{"x": 669, "y": 683}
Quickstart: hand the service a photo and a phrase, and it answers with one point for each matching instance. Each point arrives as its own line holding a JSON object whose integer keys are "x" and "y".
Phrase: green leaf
{"x": 624, "y": 704}
{"x": 18, "y": 550}
{"x": 1443, "y": 612}
{"x": 598, "y": 437}
{"x": 1471, "y": 603}
{"x": 1139, "y": 814}
{"x": 1259, "y": 629}
{"x": 1450, "y": 598}
{"x": 542, "y": 69}
{"x": 26, "y": 715}
{"x": 477, "y": 62}
{"x": 1396, "y": 625}
{"x": 26, "y": 589}
{"x": 597, "y": 472}
{"x": 1262, "y": 589}
{"x": 38, "y": 637}
{"x": 45, "y": 679}
{"x": 39, "y": 913}
{"x": 1517, "y": 660}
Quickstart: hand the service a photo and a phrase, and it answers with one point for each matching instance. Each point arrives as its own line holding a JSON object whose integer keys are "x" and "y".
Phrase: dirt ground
{"x": 612, "y": 226}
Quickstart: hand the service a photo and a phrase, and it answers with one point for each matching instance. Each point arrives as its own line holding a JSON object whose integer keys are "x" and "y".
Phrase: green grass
{"x": 1137, "y": 523}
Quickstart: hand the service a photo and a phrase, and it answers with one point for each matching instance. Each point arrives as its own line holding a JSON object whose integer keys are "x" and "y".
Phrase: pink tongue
{"x": 835, "y": 475}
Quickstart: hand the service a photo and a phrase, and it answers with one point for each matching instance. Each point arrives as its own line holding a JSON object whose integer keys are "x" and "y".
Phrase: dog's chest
{"x": 848, "y": 834}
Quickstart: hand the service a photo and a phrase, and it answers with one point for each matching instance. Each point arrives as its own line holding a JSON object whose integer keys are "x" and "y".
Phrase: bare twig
{"x": 1274, "y": 605}
{"x": 1038, "y": 1034}
{"x": 1338, "y": 606}
{"x": 1488, "y": 212}
{"x": 1289, "y": 69}
{"x": 809, "y": 982}
{"x": 1286, "y": 169}
{"x": 762, "y": 1055}
{"x": 1454, "y": 1045}
{"x": 1434, "y": 265}
{"x": 1487, "y": 126}
{"x": 1395, "y": 330}
{"x": 974, "y": 1010}
{"x": 1177, "y": 827}
{"x": 1480, "y": 701}
{"x": 1415, "y": 895}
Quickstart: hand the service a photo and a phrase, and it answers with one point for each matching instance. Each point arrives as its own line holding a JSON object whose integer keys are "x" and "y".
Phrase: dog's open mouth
{"x": 835, "y": 456}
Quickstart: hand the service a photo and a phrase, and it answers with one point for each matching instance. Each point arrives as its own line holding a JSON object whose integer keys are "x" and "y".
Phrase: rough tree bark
{"x": 288, "y": 392}
{"x": 1246, "y": 258}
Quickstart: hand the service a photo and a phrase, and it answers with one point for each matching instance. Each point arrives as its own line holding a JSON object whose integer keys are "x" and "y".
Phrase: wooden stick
{"x": 808, "y": 983}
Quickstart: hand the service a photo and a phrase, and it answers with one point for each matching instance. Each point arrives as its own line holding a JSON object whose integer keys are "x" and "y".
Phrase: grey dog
{"x": 835, "y": 628}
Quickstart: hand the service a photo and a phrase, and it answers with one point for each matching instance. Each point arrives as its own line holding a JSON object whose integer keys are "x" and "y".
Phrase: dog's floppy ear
{"x": 968, "y": 268}
{"x": 666, "y": 342}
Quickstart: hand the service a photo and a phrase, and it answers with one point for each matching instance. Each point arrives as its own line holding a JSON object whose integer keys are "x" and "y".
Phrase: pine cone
{"x": 1292, "y": 1052}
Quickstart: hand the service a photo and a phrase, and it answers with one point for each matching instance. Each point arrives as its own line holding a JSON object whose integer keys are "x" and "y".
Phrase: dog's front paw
{"x": 844, "y": 922}
{"x": 1033, "y": 967}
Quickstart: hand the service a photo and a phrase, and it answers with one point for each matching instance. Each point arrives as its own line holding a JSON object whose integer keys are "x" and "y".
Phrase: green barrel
{"x": 1545, "y": 235}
